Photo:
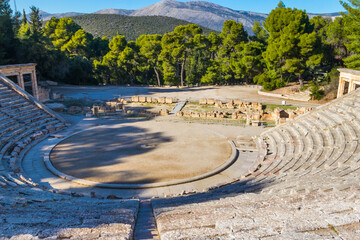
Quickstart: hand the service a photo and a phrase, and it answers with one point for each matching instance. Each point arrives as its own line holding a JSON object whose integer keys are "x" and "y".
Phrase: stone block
{"x": 203, "y": 101}
{"x": 210, "y": 101}
{"x": 195, "y": 115}
{"x": 187, "y": 114}
{"x": 155, "y": 100}
{"x": 268, "y": 117}
{"x": 247, "y": 105}
{"x": 149, "y": 99}
{"x": 254, "y": 105}
{"x": 230, "y": 105}
{"x": 282, "y": 120}
{"x": 203, "y": 115}
{"x": 164, "y": 112}
{"x": 238, "y": 102}
{"x": 255, "y": 123}
{"x": 74, "y": 110}
{"x": 210, "y": 115}
{"x": 218, "y": 104}
{"x": 234, "y": 115}
{"x": 142, "y": 99}
{"x": 169, "y": 100}
{"x": 162, "y": 100}
{"x": 256, "y": 117}
{"x": 179, "y": 114}
{"x": 135, "y": 99}
{"x": 241, "y": 116}
{"x": 292, "y": 114}
{"x": 219, "y": 115}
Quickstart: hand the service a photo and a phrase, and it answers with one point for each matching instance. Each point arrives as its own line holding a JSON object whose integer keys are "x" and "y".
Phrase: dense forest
{"x": 111, "y": 25}
{"x": 287, "y": 47}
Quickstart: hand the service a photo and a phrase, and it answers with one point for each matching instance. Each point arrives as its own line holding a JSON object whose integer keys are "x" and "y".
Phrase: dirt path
{"x": 191, "y": 94}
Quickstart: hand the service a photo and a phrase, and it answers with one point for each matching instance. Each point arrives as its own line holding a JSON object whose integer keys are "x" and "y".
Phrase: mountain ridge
{"x": 203, "y": 13}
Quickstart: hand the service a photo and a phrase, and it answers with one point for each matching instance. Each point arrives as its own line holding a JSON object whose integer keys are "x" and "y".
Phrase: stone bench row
{"x": 257, "y": 216}
{"x": 21, "y": 123}
{"x": 68, "y": 219}
{"x": 307, "y": 186}
{"x": 318, "y": 141}
{"x": 321, "y": 140}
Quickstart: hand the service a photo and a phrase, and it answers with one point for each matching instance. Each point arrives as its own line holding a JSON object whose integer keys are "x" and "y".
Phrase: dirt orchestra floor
{"x": 141, "y": 152}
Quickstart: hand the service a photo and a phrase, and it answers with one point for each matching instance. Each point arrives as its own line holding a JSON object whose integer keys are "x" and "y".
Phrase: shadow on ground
{"x": 232, "y": 190}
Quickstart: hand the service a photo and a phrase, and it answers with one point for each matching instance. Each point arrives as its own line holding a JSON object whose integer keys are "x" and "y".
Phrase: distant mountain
{"x": 129, "y": 26}
{"x": 114, "y": 11}
{"x": 47, "y": 16}
{"x": 330, "y": 15}
{"x": 203, "y": 13}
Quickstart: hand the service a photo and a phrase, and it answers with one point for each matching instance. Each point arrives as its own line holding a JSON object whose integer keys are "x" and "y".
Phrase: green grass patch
{"x": 271, "y": 107}
{"x": 81, "y": 102}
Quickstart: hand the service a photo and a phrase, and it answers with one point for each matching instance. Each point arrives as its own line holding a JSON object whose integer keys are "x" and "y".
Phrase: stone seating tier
{"x": 306, "y": 187}
{"x": 32, "y": 214}
{"x": 21, "y": 122}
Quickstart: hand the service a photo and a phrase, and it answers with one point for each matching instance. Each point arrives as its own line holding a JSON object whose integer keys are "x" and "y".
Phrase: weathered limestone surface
{"x": 28, "y": 214}
{"x": 257, "y": 216}
{"x": 21, "y": 123}
{"x": 304, "y": 187}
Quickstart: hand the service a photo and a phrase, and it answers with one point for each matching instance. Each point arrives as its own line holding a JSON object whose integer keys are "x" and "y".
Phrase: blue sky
{"x": 88, "y": 6}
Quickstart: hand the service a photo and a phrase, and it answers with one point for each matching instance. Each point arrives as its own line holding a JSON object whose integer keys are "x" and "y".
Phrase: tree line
{"x": 288, "y": 46}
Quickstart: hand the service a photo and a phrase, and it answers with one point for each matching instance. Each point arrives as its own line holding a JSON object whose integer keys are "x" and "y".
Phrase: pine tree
{"x": 292, "y": 44}
{"x": 352, "y": 28}
{"x": 8, "y": 42}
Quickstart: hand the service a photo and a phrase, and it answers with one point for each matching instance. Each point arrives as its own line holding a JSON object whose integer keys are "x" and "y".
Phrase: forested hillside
{"x": 111, "y": 25}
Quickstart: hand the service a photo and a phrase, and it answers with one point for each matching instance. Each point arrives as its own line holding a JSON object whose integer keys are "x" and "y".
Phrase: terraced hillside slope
{"x": 306, "y": 185}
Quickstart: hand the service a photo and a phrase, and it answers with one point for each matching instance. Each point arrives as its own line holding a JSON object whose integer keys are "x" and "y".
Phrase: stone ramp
{"x": 178, "y": 107}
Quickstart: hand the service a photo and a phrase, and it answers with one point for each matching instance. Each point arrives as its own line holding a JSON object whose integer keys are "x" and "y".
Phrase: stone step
{"x": 145, "y": 227}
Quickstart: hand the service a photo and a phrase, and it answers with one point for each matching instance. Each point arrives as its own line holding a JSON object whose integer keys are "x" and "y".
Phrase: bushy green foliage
{"x": 352, "y": 31}
{"x": 316, "y": 93}
{"x": 8, "y": 43}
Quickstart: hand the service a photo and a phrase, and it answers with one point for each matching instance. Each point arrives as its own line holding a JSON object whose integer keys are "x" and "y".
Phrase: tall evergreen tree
{"x": 352, "y": 28}
{"x": 8, "y": 43}
{"x": 291, "y": 45}
{"x": 150, "y": 48}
